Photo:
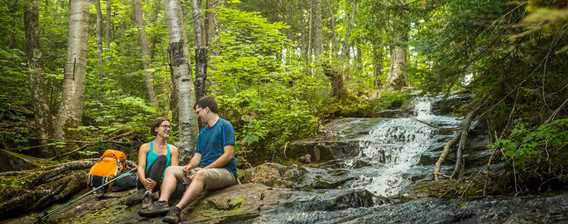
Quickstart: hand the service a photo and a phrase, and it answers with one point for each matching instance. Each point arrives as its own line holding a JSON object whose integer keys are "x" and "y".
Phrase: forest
{"x": 82, "y": 76}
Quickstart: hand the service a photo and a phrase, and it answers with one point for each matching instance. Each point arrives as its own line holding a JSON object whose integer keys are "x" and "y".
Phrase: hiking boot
{"x": 147, "y": 200}
{"x": 158, "y": 208}
{"x": 174, "y": 216}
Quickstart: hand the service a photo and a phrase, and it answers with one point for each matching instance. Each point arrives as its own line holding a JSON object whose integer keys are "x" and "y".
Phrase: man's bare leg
{"x": 194, "y": 189}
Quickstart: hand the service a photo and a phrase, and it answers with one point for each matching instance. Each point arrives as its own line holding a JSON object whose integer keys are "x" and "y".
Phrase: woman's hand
{"x": 149, "y": 184}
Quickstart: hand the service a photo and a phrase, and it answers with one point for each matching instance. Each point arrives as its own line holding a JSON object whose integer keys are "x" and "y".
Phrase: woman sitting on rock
{"x": 153, "y": 159}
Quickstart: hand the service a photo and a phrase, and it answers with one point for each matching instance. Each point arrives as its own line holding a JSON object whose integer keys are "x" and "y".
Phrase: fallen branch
{"x": 556, "y": 111}
{"x": 459, "y": 166}
{"x": 437, "y": 173}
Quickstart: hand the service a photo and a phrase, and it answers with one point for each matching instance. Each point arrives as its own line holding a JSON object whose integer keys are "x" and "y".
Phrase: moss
{"x": 234, "y": 210}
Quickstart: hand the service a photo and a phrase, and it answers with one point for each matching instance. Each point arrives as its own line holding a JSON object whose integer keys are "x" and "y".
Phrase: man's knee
{"x": 200, "y": 175}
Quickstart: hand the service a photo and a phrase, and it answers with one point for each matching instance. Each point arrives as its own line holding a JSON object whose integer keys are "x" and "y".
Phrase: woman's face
{"x": 164, "y": 129}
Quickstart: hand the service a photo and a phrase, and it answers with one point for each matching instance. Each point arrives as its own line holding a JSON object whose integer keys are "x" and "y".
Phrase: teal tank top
{"x": 151, "y": 156}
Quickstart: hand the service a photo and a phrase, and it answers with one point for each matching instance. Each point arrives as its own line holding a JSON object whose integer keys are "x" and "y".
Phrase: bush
{"x": 538, "y": 155}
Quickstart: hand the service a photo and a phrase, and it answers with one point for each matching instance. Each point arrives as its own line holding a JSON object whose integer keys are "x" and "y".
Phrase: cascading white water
{"x": 394, "y": 146}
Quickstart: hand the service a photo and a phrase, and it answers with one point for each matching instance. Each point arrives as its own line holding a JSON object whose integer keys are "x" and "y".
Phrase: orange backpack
{"x": 110, "y": 165}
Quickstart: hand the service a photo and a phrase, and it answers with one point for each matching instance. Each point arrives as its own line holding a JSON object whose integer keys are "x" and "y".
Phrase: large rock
{"x": 307, "y": 178}
{"x": 238, "y": 202}
{"x": 451, "y": 105}
{"x": 14, "y": 161}
{"x": 339, "y": 140}
{"x": 273, "y": 174}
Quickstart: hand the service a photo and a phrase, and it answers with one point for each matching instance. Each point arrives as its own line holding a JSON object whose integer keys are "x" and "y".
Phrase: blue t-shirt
{"x": 212, "y": 141}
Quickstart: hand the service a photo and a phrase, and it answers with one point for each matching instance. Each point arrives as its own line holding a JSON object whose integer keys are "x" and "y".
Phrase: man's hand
{"x": 187, "y": 169}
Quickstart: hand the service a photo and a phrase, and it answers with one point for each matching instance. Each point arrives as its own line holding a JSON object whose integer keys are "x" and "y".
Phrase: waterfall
{"x": 393, "y": 146}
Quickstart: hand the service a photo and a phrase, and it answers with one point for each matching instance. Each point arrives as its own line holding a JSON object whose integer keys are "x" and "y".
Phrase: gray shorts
{"x": 215, "y": 178}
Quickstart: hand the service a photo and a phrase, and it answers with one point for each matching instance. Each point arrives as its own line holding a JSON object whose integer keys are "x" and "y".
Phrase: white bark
{"x": 74, "y": 80}
{"x": 181, "y": 77}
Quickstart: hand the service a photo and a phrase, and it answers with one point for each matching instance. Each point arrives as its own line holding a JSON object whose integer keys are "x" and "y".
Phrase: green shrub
{"x": 538, "y": 155}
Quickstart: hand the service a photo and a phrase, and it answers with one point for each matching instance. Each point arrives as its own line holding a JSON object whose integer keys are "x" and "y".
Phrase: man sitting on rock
{"x": 211, "y": 167}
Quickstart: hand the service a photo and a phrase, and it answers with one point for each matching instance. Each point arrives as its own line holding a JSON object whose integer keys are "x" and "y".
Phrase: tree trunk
{"x": 336, "y": 79}
{"x": 334, "y": 40}
{"x": 99, "y": 29}
{"x": 211, "y": 34}
{"x": 108, "y": 29}
{"x": 75, "y": 69}
{"x": 345, "y": 47}
{"x": 309, "y": 40}
{"x": 181, "y": 77}
{"x": 399, "y": 58}
{"x": 154, "y": 40}
{"x": 40, "y": 102}
{"x": 316, "y": 23}
{"x": 397, "y": 73}
{"x": 200, "y": 51}
{"x": 146, "y": 55}
{"x": 13, "y": 39}
{"x": 377, "y": 65}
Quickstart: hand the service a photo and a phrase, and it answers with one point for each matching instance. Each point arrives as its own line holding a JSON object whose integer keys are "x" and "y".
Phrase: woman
{"x": 154, "y": 157}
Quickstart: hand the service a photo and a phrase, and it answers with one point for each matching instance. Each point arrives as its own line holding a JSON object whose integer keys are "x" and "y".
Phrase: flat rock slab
{"x": 339, "y": 139}
{"x": 238, "y": 202}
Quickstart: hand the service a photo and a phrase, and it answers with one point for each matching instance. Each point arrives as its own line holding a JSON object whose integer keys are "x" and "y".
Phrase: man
{"x": 211, "y": 167}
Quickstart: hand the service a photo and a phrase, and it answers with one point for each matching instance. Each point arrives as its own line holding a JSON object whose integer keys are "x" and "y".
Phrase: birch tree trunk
{"x": 146, "y": 55}
{"x": 316, "y": 23}
{"x": 181, "y": 77}
{"x": 99, "y": 30}
{"x": 200, "y": 51}
{"x": 40, "y": 102}
{"x": 74, "y": 79}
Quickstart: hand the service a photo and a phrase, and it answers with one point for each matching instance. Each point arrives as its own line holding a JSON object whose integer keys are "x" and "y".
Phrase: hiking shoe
{"x": 147, "y": 200}
{"x": 158, "y": 208}
{"x": 174, "y": 216}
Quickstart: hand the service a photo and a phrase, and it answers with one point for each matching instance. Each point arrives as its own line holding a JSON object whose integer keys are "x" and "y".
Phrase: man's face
{"x": 201, "y": 114}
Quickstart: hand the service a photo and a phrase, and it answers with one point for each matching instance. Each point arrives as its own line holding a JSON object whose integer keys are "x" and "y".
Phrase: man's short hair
{"x": 206, "y": 101}
{"x": 156, "y": 124}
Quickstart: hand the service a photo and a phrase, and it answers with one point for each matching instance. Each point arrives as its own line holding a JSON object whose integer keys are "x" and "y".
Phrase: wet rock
{"x": 451, "y": 104}
{"x": 393, "y": 113}
{"x": 333, "y": 201}
{"x": 339, "y": 140}
{"x": 273, "y": 174}
{"x": 317, "y": 178}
